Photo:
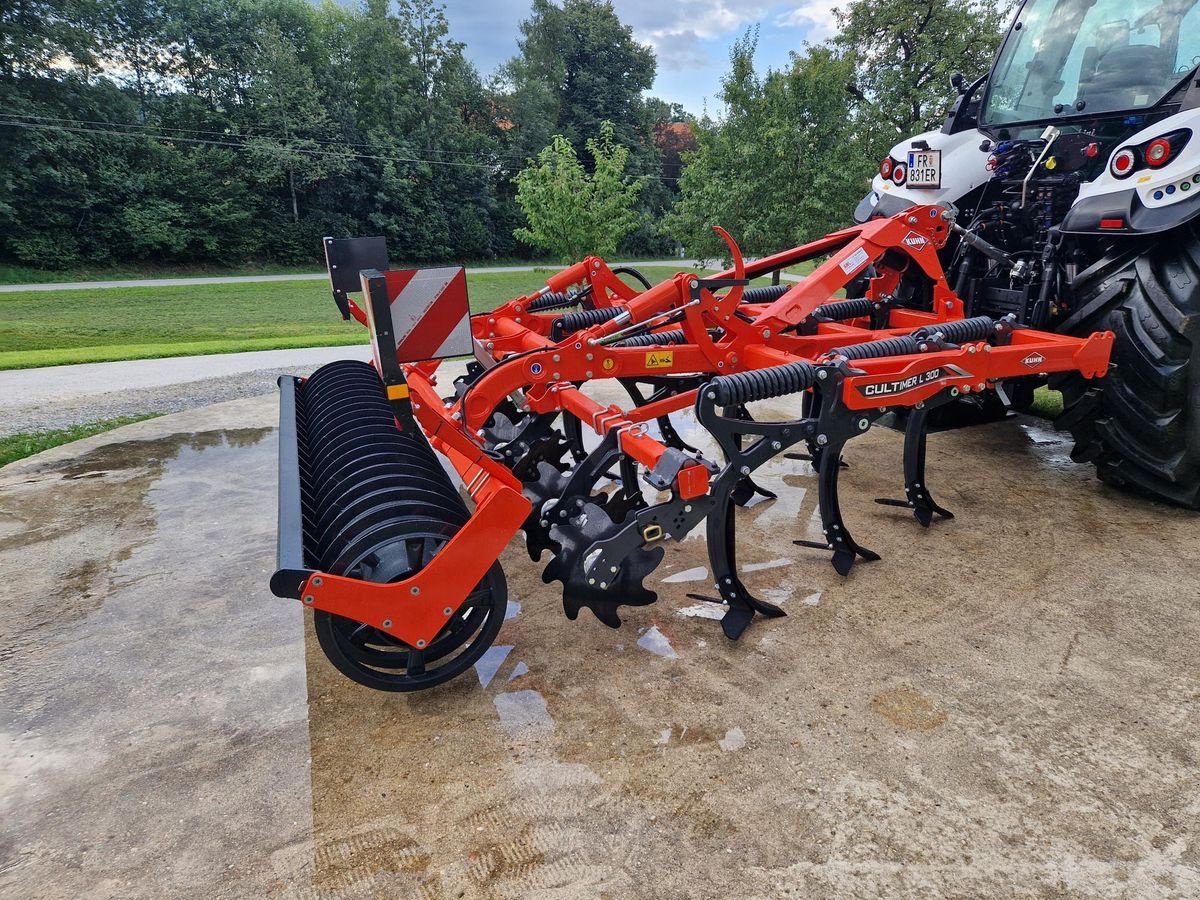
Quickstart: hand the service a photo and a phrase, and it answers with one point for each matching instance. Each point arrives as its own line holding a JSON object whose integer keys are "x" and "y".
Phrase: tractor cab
{"x": 1067, "y": 59}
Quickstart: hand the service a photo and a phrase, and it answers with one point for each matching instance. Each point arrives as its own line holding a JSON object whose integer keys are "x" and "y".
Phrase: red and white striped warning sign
{"x": 431, "y": 316}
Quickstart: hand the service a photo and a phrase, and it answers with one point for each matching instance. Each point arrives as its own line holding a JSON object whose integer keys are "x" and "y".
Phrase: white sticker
{"x": 854, "y": 261}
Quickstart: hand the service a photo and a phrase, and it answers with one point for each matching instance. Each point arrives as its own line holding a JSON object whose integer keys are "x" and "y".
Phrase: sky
{"x": 691, "y": 38}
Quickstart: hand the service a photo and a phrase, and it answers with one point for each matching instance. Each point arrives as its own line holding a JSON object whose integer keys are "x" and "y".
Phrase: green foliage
{"x": 572, "y": 213}
{"x": 786, "y": 165}
{"x": 906, "y": 52}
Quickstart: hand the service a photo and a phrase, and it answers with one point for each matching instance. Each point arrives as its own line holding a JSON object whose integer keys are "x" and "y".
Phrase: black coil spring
{"x": 765, "y": 294}
{"x": 584, "y": 318}
{"x": 893, "y": 346}
{"x": 844, "y": 309}
{"x": 980, "y": 328}
{"x": 761, "y": 384}
{"x": 553, "y": 300}
{"x": 663, "y": 338}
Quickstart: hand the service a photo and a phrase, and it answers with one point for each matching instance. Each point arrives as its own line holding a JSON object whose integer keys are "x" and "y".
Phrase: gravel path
{"x": 49, "y": 415}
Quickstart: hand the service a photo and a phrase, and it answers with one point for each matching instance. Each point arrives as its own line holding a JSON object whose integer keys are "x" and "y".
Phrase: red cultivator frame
{"x": 374, "y": 536}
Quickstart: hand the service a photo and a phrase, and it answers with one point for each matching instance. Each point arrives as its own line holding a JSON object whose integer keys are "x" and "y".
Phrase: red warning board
{"x": 431, "y": 315}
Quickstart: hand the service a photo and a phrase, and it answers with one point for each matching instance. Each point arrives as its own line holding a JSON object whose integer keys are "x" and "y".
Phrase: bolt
{"x": 420, "y": 644}
{"x": 712, "y": 395}
{"x": 612, "y": 569}
{"x": 491, "y": 321}
{"x": 414, "y": 590}
{"x": 981, "y": 386}
{"x": 822, "y": 374}
{"x": 604, "y": 584}
{"x": 912, "y": 220}
{"x": 953, "y": 392}
{"x": 766, "y": 333}
{"x": 309, "y": 599}
{"x": 557, "y": 377}
{"x": 822, "y": 439}
{"x": 587, "y": 374}
{"x": 687, "y": 507}
{"x": 863, "y": 424}
{"x": 588, "y": 356}
{"x": 745, "y": 470}
{"x": 447, "y": 611}
{"x": 693, "y": 284}
{"x": 591, "y": 581}
{"x": 949, "y": 304}
{"x": 720, "y": 365}
{"x": 971, "y": 349}
{"x": 776, "y": 445}
{"x": 318, "y": 581}
{"x": 557, "y": 358}
{"x": 387, "y": 623}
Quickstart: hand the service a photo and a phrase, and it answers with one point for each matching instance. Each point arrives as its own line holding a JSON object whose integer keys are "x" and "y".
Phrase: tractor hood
{"x": 933, "y": 167}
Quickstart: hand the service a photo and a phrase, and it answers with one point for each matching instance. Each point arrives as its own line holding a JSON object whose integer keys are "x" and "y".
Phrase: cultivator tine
{"x": 916, "y": 490}
{"x": 838, "y": 538}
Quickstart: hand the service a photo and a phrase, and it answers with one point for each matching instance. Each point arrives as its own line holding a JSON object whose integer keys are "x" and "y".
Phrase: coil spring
{"x": 893, "y": 346}
{"x": 765, "y": 294}
{"x": 553, "y": 300}
{"x": 762, "y": 384}
{"x": 980, "y": 328}
{"x": 844, "y": 309}
{"x": 663, "y": 338}
{"x": 584, "y": 318}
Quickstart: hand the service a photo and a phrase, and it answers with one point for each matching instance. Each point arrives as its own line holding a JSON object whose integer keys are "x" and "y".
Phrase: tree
{"x": 578, "y": 66}
{"x": 786, "y": 165}
{"x": 906, "y": 52}
{"x": 572, "y": 213}
{"x": 291, "y": 119}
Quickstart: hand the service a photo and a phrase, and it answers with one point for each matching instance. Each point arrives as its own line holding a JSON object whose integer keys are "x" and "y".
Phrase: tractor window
{"x": 1063, "y": 57}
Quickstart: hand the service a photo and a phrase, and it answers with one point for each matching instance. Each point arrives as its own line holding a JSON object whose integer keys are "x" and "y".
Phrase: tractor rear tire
{"x": 1141, "y": 424}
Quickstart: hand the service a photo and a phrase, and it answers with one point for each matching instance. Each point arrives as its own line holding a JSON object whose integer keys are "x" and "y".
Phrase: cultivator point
{"x": 377, "y": 538}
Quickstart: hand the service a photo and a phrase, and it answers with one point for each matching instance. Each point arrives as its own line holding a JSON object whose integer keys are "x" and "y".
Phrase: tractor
{"x": 1074, "y": 169}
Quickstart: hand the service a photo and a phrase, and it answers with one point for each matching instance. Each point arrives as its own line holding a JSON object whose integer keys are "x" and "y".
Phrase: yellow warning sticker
{"x": 660, "y": 359}
{"x": 609, "y": 365}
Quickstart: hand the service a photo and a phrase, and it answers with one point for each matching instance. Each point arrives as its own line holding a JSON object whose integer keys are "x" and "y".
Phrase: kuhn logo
{"x": 1033, "y": 360}
{"x": 914, "y": 240}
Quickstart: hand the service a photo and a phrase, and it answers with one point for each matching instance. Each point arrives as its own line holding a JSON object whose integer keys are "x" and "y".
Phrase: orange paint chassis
{"x": 513, "y": 428}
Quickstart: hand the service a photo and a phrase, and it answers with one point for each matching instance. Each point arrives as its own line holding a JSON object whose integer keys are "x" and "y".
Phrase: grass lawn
{"x": 40, "y": 328}
{"x": 18, "y": 446}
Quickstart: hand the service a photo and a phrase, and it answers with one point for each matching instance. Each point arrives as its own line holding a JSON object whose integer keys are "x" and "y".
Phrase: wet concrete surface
{"x": 1005, "y": 705}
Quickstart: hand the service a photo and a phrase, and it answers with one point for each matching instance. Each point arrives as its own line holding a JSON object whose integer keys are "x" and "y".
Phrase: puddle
{"x": 656, "y": 642}
{"x": 489, "y": 664}
{"x": 699, "y": 573}
{"x": 523, "y": 712}
{"x": 763, "y": 566}
{"x": 703, "y": 611}
{"x": 733, "y": 740}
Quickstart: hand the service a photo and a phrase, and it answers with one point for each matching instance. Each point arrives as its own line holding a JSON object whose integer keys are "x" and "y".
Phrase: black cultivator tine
{"x": 919, "y": 499}
{"x": 845, "y": 549}
{"x": 722, "y": 555}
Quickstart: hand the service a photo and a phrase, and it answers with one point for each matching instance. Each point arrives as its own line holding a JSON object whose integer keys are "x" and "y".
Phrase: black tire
{"x": 1141, "y": 424}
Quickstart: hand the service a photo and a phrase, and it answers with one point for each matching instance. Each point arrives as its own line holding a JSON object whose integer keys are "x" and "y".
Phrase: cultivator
{"x": 404, "y": 579}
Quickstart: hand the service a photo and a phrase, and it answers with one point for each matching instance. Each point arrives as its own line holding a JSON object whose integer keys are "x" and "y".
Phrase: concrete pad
{"x": 1005, "y": 705}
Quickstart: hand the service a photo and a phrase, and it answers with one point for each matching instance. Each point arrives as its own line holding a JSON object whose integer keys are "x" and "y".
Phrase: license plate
{"x": 925, "y": 168}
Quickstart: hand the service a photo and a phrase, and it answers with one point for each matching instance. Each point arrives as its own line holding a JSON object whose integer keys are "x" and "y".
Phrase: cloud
{"x": 677, "y": 31}
{"x": 816, "y": 18}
